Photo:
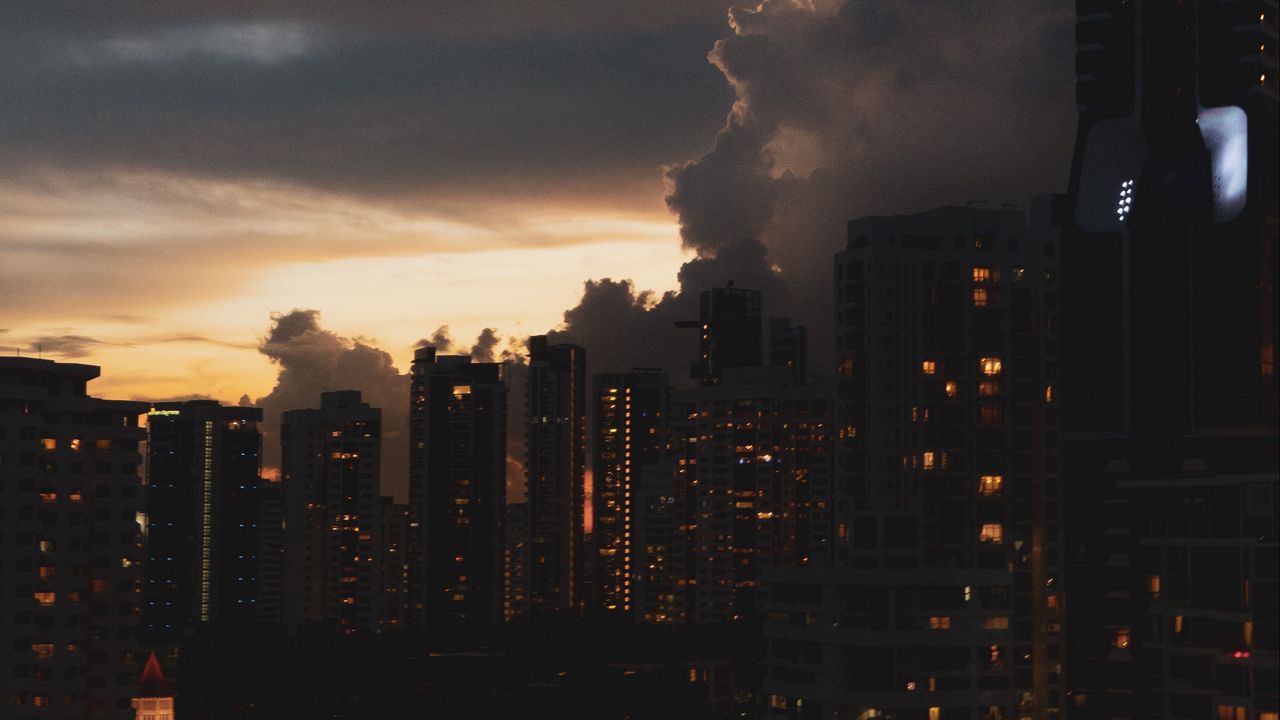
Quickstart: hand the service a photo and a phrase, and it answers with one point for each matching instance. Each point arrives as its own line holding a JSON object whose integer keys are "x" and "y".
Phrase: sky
{"x": 258, "y": 200}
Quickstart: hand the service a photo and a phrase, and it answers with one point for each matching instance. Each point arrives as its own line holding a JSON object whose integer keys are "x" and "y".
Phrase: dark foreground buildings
{"x": 332, "y": 564}
{"x": 1169, "y": 387}
{"x": 202, "y": 507}
{"x": 70, "y": 543}
{"x": 941, "y": 601}
{"x": 458, "y": 487}
{"x": 556, "y": 447}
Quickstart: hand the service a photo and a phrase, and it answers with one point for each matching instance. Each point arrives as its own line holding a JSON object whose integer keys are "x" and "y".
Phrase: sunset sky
{"x": 176, "y": 179}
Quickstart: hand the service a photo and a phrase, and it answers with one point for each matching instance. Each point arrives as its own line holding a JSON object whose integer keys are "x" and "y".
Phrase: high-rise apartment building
{"x": 332, "y": 550}
{"x": 399, "y": 533}
{"x": 556, "y": 408}
{"x": 730, "y": 329}
{"x": 458, "y": 487}
{"x": 1169, "y": 326}
{"x": 516, "y": 569}
{"x": 788, "y": 347}
{"x": 944, "y": 597}
{"x": 630, "y": 434}
{"x": 752, "y": 462}
{"x": 202, "y": 508}
{"x": 71, "y": 499}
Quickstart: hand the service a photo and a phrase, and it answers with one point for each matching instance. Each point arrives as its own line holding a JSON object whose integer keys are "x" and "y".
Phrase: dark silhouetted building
{"x": 943, "y": 600}
{"x": 731, "y": 332}
{"x": 516, "y": 554}
{"x": 332, "y": 549}
{"x": 202, "y": 506}
{"x": 556, "y": 408}
{"x": 71, "y": 499}
{"x": 1169, "y": 390}
{"x": 630, "y": 434}
{"x": 399, "y": 533}
{"x": 752, "y": 462}
{"x": 788, "y": 347}
{"x": 458, "y": 486}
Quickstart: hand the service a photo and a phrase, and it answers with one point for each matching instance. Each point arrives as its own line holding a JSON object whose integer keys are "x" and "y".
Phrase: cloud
{"x": 312, "y": 360}
{"x": 486, "y": 343}
{"x": 68, "y": 347}
{"x": 843, "y": 109}
{"x": 440, "y": 340}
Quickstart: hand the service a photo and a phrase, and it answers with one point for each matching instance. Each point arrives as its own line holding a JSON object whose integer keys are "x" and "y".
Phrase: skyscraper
{"x": 788, "y": 347}
{"x": 555, "y": 466}
{"x": 332, "y": 549}
{"x": 752, "y": 463}
{"x": 943, "y": 600}
{"x": 731, "y": 332}
{"x": 202, "y": 509}
{"x": 630, "y": 434}
{"x": 458, "y": 487}
{"x": 70, "y": 543}
{"x": 1169, "y": 326}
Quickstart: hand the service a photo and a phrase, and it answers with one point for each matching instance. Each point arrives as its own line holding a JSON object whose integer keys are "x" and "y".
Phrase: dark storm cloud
{"x": 848, "y": 109}
{"x": 312, "y": 360}
{"x": 364, "y": 107}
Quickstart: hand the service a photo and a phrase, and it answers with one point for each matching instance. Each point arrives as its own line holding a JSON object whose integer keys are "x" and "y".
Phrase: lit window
{"x": 995, "y": 623}
{"x": 102, "y": 444}
{"x": 991, "y": 414}
{"x": 1120, "y": 638}
{"x": 1233, "y": 712}
{"x": 928, "y": 367}
{"x": 1247, "y": 633}
{"x": 75, "y": 444}
{"x": 992, "y": 533}
{"x": 928, "y": 460}
{"x": 940, "y": 623}
{"x": 1177, "y": 624}
{"x": 1153, "y": 585}
{"x": 49, "y": 443}
{"x": 46, "y": 572}
{"x": 935, "y": 713}
{"x": 48, "y": 495}
{"x": 990, "y": 484}
{"x": 46, "y": 598}
{"x": 951, "y": 388}
{"x": 988, "y": 388}
{"x": 1048, "y": 393}
{"x": 1051, "y": 601}
{"x": 990, "y": 366}
{"x": 42, "y": 650}
{"x": 981, "y": 274}
{"x": 46, "y": 546}
{"x": 979, "y": 297}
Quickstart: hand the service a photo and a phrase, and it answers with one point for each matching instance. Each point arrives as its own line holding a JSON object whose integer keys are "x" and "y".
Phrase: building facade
{"x": 202, "y": 507}
{"x": 555, "y": 468}
{"x": 629, "y": 435}
{"x": 71, "y": 499}
{"x": 332, "y": 563}
{"x": 1169, "y": 323}
{"x": 752, "y": 475}
{"x": 458, "y": 487}
{"x": 942, "y": 601}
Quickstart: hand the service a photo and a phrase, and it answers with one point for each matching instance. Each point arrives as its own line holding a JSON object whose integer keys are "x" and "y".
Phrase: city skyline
{"x": 137, "y": 254}
{"x": 681, "y": 360}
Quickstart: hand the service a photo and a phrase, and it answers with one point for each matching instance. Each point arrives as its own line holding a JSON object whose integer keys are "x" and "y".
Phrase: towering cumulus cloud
{"x": 844, "y": 109}
{"x": 313, "y": 360}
